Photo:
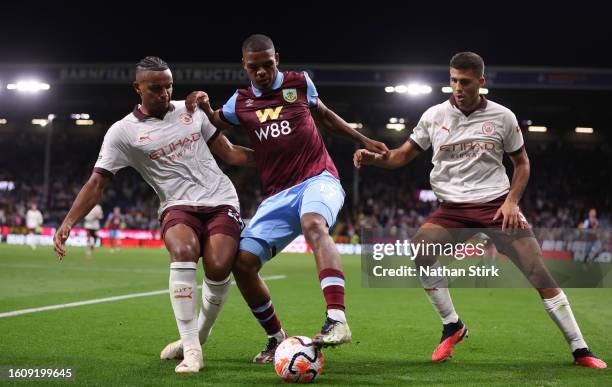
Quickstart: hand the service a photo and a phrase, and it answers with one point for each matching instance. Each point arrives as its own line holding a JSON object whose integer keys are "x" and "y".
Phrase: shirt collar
{"x": 278, "y": 81}
{"x": 482, "y": 105}
{"x": 141, "y": 116}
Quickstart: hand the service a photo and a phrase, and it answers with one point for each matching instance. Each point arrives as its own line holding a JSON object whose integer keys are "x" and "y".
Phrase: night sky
{"x": 560, "y": 34}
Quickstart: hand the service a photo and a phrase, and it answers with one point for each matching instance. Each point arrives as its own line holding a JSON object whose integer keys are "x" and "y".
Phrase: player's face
{"x": 155, "y": 89}
{"x": 466, "y": 86}
{"x": 260, "y": 66}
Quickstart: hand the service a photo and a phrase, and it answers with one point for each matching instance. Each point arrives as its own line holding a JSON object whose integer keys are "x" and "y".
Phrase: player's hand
{"x": 198, "y": 99}
{"x": 61, "y": 234}
{"x": 512, "y": 217}
{"x": 377, "y": 147}
{"x": 365, "y": 157}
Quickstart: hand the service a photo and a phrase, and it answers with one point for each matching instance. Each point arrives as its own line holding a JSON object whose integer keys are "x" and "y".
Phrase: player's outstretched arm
{"x": 200, "y": 99}
{"x": 396, "y": 157}
{"x": 232, "y": 154}
{"x": 88, "y": 197}
{"x": 328, "y": 119}
{"x": 510, "y": 209}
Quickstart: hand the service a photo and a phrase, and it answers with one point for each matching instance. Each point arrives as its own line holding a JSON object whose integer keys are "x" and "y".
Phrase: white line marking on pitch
{"x": 108, "y": 299}
{"x": 81, "y": 268}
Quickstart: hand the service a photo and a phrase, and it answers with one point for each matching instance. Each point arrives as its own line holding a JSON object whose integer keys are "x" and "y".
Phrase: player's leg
{"x": 275, "y": 224}
{"x": 31, "y": 238}
{"x": 220, "y": 248}
{"x": 111, "y": 240}
{"x": 118, "y": 241}
{"x": 95, "y": 240}
{"x": 526, "y": 254}
{"x": 321, "y": 201}
{"x": 436, "y": 287}
{"x": 219, "y": 253}
{"x": 184, "y": 248}
{"x": 335, "y": 329}
{"x": 90, "y": 243}
{"x": 257, "y": 296}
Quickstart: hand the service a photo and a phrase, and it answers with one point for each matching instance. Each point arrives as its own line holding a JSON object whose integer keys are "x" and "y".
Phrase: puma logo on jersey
{"x": 444, "y": 127}
{"x": 268, "y": 113}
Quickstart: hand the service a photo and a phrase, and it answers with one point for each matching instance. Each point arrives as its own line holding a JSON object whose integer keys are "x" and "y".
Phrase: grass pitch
{"x": 512, "y": 340}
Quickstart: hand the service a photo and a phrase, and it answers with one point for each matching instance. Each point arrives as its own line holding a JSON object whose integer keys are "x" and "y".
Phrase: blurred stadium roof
{"x": 386, "y": 38}
{"x": 557, "y": 34}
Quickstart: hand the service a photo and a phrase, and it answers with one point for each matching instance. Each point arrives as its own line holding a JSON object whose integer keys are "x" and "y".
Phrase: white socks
{"x": 31, "y": 240}
{"x": 214, "y": 295}
{"x": 336, "y": 314}
{"x": 436, "y": 288}
{"x": 559, "y": 310}
{"x": 279, "y": 336}
{"x": 184, "y": 299}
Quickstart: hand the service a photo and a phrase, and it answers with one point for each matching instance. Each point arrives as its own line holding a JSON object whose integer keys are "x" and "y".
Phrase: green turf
{"x": 512, "y": 340}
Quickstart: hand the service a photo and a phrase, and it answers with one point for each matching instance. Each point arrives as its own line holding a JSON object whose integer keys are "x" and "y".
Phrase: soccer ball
{"x": 298, "y": 360}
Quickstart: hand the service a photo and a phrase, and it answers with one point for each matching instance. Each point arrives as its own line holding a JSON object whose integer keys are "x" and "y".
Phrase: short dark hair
{"x": 257, "y": 42}
{"x": 468, "y": 61}
{"x": 152, "y": 63}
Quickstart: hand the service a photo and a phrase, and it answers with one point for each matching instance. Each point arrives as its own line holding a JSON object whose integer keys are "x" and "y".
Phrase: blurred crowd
{"x": 560, "y": 194}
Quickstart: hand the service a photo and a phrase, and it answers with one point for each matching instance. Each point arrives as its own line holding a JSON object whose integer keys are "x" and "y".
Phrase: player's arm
{"x": 90, "y": 194}
{"x": 396, "y": 157}
{"x": 510, "y": 209}
{"x": 329, "y": 120}
{"x": 200, "y": 99}
{"x": 231, "y": 153}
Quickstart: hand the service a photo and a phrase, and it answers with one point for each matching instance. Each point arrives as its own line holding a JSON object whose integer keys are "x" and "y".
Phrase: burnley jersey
{"x": 288, "y": 147}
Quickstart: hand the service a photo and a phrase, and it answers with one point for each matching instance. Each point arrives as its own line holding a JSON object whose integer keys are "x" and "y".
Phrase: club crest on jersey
{"x": 249, "y": 102}
{"x": 144, "y": 137}
{"x": 186, "y": 118}
{"x": 488, "y": 128}
{"x": 268, "y": 113}
{"x": 290, "y": 95}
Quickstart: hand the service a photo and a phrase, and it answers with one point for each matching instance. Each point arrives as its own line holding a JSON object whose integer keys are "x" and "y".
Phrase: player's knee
{"x": 313, "y": 227}
{"x": 246, "y": 264}
{"x": 424, "y": 258}
{"x": 424, "y": 261}
{"x": 218, "y": 268}
{"x": 184, "y": 253}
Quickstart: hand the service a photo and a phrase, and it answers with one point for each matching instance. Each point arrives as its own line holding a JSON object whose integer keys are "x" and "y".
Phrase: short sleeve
{"x": 311, "y": 91}
{"x": 513, "y": 137}
{"x": 420, "y": 133}
{"x": 113, "y": 154}
{"x": 228, "y": 112}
